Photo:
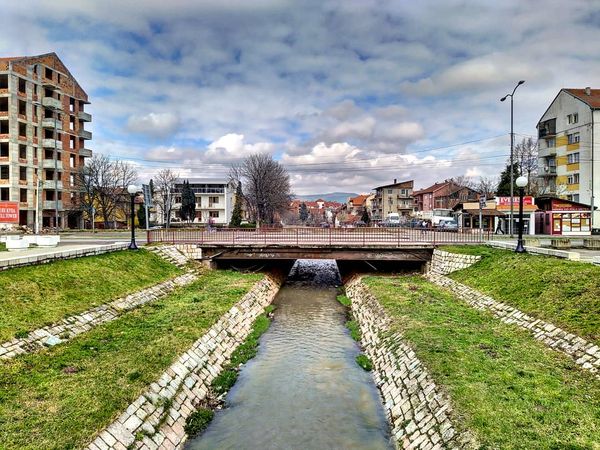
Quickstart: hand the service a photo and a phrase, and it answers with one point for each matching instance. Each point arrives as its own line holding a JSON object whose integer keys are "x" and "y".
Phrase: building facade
{"x": 43, "y": 140}
{"x": 569, "y": 144}
{"x": 393, "y": 198}
{"x": 444, "y": 195}
{"x": 215, "y": 199}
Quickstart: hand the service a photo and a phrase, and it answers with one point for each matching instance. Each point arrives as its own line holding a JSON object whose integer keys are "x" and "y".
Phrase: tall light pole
{"x": 521, "y": 183}
{"x": 512, "y": 149}
{"x": 132, "y": 189}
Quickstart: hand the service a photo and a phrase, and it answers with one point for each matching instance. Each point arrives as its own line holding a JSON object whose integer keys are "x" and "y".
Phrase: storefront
{"x": 563, "y": 217}
{"x": 495, "y": 215}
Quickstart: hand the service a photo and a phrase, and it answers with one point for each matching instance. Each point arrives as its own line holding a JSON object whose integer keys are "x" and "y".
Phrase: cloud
{"x": 159, "y": 125}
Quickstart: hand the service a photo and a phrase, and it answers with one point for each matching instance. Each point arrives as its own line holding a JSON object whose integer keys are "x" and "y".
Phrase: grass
{"x": 60, "y": 398}
{"x": 510, "y": 390}
{"x": 363, "y": 361}
{"x": 241, "y": 355}
{"x": 565, "y": 293}
{"x": 354, "y": 329}
{"x": 2, "y": 247}
{"x": 344, "y": 300}
{"x": 198, "y": 421}
{"x": 35, "y": 296}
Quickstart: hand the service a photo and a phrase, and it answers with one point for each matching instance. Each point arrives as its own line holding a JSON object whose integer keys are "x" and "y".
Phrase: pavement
{"x": 49, "y": 251}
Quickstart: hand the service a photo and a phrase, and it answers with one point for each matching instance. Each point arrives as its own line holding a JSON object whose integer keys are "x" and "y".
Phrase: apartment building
{"x": 393, "y": 198}
{"x": 215, "y": 199}
{"x": 42, "y": 139}
{"x": 444, "y": 195}
{"x": 569, "y": 144}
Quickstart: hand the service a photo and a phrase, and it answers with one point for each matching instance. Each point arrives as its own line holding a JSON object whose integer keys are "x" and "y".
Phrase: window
{"x": 573, "y": 179}
{"x": 390, "y": 191}
{"x": 573, "y": 138}
{"x": 23, "y": 173}
{"x": 4, "y": 150}
{"x": 551, "y": 142}
{"x": 72, "y": 179}
{"x": 213, "y": 201}
{"x": 573, "y": 118}
{"x": 573, "y": 158}
{"x": 23, "y": 195}
{"x": 22, "y": 129}
{"x": 22, "y": 85}
{"x": 22, "y": 151}
{"x": 3, "y": 172}
{"x": 4, "y": 194}
{"x": 213, "y": 214}
{"x": 48, "y": 73}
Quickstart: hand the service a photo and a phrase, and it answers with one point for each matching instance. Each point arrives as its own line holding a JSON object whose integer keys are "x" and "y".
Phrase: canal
{"x": 304, "y": 389}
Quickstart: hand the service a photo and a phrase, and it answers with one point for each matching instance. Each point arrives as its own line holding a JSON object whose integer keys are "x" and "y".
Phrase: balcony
{"x": 53, "y": 185}
{"x": 86, "y": 117}
{"x": 50, "y": 164}
{"x": 52, "y": 124}
{"x": 51, "y": 204}
{"x": 49, "y": 84}
{"x": 548, "y": 151}
{"x": 548, "y": 171}
{"x": 85, "y": 152}
{"x": 85, "y": 134}
{"x": 51, "y": 143}
{"x": 52, "y": 103}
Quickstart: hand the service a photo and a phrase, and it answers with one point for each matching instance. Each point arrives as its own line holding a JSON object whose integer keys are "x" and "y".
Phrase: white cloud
{"x": 159, "y": 125}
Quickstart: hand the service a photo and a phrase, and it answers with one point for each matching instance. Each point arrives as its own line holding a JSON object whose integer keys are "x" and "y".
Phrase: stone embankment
{"x": 584, "y": 353}
{"x": 75, "y": 325}
{"x": 156, "y": 419}
{"x": 417, "y": 409}
{"x": 445, "y": 262}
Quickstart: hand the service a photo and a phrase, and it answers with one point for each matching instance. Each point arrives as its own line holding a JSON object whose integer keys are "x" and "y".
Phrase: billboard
{"x": 505, "y": 201}
{"x": 9, "y": 212}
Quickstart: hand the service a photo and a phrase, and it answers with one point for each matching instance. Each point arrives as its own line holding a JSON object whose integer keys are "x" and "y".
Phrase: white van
{"x": 392, "y": 219}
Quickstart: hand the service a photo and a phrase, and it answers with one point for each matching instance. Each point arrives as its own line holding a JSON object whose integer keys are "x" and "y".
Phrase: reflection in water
{"x": 303, "y": 390}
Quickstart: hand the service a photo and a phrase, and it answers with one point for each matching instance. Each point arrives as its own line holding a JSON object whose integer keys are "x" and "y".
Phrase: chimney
{"x": 396, "y": 180}
{"x": 588, "y": 91}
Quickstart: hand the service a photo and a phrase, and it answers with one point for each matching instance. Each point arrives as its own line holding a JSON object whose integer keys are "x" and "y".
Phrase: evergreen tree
{"x": 303, "y": 213}
{"x": 151, "y": 186}
{"x": 236, "y": 215}
{"x": 365, "y": 217}
{"x": 504, "y": 184}
{"x": 141, "y": 215}
{"x": 188, "y": 202}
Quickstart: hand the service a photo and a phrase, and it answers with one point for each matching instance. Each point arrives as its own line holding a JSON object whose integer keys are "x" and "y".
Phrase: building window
{"x": 22, "y": 85}
{"x": 23, "y": 173}
{"x": 4, "y": 194}
{"x": 213, "y": 214}
{"x": 573, "y": 158}
{"x": 573, "y": 179}
{"x": 213, "y": 201}
{"x": 573, "y": 118}
{"x": 23, "y": 195}
{"x": 22, "y": 151}
{"x": 48, "y": 73}
{"x": 4, "y": 150}
{"x": 390, "y": 191}
{"x": 573, "y": 138}
{"x": 551, "y": 142}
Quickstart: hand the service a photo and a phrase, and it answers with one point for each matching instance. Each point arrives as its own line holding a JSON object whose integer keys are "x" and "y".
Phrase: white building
{"x": 214, "y": 199}
{"x": 569, "y": 144}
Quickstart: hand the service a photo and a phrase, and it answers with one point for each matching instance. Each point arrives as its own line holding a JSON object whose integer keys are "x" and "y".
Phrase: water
{"x": 303, "y": 390}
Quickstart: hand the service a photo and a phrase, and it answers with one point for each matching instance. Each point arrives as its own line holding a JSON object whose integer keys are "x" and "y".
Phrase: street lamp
{"x": 521, "y": 183}
{"x": 512, "y": 147}
{"x": 132, "y": 189}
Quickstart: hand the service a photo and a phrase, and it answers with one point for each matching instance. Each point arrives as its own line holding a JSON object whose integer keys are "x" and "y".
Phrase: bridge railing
{"x": 395, "y": 236}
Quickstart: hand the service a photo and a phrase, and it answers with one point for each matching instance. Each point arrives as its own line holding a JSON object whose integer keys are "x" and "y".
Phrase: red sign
{"x": 558, "y": 205}
{"x": 505, "y": 201}
{"x": 9, "y": 212}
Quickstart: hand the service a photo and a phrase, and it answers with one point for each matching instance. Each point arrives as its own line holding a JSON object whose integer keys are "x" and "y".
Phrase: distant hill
{"x": 340, "y": 197}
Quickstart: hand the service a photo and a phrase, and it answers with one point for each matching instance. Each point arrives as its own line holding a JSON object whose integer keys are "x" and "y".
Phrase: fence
{"x": 316, "y": 236}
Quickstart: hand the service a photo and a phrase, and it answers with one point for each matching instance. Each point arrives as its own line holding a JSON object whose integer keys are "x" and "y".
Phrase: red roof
{"x": 593, "y": 100}
{"x": 359, "y": 200}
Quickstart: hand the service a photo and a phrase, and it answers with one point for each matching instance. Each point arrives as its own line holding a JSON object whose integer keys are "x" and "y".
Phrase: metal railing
{"x": 387, "y": 237}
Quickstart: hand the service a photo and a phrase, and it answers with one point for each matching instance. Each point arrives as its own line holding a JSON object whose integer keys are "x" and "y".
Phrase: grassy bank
{"x": 59, "y": 399}
{"x": 510, "y": 390}
{"x": 35, "y": 296}
{"x": 565, "y": 293}
{"x": 2, "y": 247}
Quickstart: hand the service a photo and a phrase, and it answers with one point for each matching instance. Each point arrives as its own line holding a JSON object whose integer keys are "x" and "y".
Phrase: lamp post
{"x": 512, "y": 149}
{"x": 521, "y": 183}
{"x": 132, "y": 189}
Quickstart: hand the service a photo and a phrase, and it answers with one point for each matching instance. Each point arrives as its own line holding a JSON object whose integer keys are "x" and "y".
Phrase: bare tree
{"x": 464, "y": 181}
{"x": 487, "y": 186}
{"x": 266, "y": 186}
{"x": 104, "y": 184}
{"x": 526, "y": 156}
{"x": 164, "y": 185}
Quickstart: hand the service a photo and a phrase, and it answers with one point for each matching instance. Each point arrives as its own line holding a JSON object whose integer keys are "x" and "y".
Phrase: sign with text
{"x": 9, "y": 212}
{"x": 505, "y": 201}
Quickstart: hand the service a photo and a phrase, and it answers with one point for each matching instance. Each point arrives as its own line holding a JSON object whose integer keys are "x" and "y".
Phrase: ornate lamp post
{"x": 512, "y": 149}
{"x": 521, "y": 183}
{"x": 132, "y": 189}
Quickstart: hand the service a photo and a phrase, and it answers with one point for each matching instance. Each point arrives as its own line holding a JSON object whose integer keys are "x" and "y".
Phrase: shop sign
{"x": 564, "y": 206}
{"x": 9, "y": 212}
{"x": 505, "y": 201}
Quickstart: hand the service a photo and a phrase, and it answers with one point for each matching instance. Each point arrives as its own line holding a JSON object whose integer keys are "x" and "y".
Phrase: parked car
{"x": 448, "y": 225}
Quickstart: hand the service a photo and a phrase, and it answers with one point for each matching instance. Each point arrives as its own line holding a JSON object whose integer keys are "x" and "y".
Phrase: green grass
{"x": 354, "y": 329}
{"x": 198, "y": 421}
{"x": 510, "y": 390}
{"x": 344, "y": 300}
{"x": 2, "y": 247}
{"x": 60, "y": 398}
{"x": 364, "y": 362}
{"x": 241, "y": 355}
{"x": 35, "y": 296}
{"x": 565, "y": 293}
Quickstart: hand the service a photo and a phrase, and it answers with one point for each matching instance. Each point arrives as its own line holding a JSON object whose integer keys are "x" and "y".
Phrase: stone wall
{"x": 417, "y": 410}
{"x": 586, "y": 354}
{"x": 72, "y": 326}
{"x": 191, "y": 251}
{"x": 156, "y": 418}
{"x": 445, "y": 262}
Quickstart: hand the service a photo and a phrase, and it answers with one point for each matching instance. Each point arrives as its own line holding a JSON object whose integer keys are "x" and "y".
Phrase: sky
{"x": 347, "y": 94}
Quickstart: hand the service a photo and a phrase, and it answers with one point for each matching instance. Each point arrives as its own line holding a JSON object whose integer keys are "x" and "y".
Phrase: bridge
{"x": 369, "y": 244}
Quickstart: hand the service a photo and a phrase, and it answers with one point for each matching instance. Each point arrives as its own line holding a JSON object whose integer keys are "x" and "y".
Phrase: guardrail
{"x": 316, "y": 236}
